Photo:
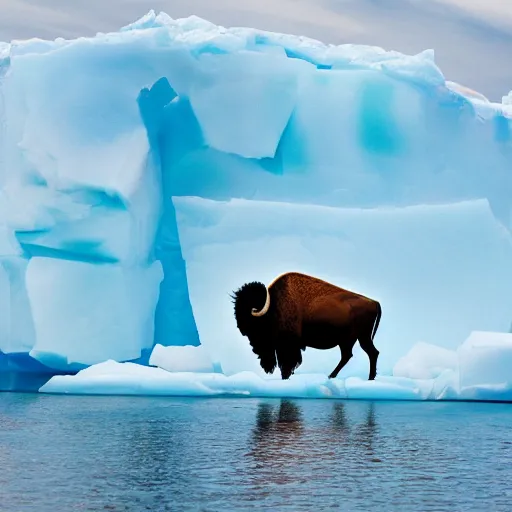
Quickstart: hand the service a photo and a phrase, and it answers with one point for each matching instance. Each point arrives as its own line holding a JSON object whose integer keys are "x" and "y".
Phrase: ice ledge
{"x": 112, "y": 378}
{"x": 477, "y": 371}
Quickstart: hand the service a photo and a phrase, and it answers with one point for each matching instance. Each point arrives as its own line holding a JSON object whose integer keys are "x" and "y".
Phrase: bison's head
{"x": 252, "y": 302}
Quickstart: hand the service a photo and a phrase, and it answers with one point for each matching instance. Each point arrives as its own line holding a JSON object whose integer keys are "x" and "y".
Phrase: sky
{"x": 472, "y": 39}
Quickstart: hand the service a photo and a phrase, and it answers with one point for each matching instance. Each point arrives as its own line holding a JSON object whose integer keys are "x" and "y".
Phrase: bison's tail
{"x": 377, "y": 319}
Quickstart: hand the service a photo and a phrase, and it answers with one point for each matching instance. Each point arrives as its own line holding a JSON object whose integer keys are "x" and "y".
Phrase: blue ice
{"x": 146, "y": 173}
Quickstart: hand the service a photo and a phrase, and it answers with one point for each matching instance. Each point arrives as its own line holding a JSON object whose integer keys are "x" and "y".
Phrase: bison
{"x": 297, "y": 311}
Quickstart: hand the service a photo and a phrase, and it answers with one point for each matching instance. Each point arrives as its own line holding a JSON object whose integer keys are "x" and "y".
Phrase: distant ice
{"x": 182, "y": 359}
{"x": 425, "y": 361}
{"x": 485, "y": 359}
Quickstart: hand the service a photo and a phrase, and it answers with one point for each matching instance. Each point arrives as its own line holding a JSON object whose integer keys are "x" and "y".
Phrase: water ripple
{"x": 137, "y": 454}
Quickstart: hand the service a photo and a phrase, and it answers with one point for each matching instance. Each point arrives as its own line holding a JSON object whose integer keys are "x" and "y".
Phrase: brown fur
{"x": 306, "y": 312}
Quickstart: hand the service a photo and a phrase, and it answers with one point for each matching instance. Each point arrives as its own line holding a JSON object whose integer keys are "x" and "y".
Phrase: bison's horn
{"x": 255, "y": 312}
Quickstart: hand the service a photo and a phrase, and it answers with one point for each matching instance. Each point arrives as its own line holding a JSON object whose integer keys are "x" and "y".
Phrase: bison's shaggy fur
{"x": 302, "y": 311}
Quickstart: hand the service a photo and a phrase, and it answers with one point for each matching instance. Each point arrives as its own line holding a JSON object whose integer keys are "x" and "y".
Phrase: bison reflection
{"x": 277, "y": 438}
{"x": 297, "y": 311}
{"x": 283, "y": 436}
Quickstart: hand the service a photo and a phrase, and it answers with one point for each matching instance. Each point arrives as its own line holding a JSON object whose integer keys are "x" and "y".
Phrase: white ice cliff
{"x": 147, "y": 173}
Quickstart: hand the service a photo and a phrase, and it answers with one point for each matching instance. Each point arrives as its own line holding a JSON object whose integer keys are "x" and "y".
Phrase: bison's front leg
{"x": 346, "y": 356}
{"x": 289, "y": 356}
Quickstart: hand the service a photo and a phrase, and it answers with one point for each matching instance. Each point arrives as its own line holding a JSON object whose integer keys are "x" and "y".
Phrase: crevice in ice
{"x": 378, "y": 132}
{"x": 289, "y": 156}
{"x": 96, "y": 197}
{"x": 179, "y": 135}
{"x": 21, "y": 372}
{"x": 166, "y": 122}
{"x": 502, "y": 129}
{"x": 81, "y": 250}
{"x": 293, "y": 54}
{"x": 209, "y": 48}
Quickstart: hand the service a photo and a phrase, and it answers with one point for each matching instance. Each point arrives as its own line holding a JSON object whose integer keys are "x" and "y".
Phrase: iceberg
{"x": 147, "y": 173}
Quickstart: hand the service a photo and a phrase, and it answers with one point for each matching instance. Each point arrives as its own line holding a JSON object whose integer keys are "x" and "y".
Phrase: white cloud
{"x": 496, "y": 12}
{"x": 85, "y": 17}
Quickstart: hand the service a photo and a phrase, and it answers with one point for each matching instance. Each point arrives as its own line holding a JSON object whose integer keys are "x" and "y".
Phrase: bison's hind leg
{"x": 368, "y": 325}
{"x": 373, "y": 354}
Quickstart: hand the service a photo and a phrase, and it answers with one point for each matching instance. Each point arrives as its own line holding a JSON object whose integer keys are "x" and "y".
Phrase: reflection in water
{"x": 123, "y": 454}
{"x": 285, "y": 422}
{"x": 276, "y": 441}
{"x": 339, "y": 418}
{"x": 367, "y": 433}
{"x": 282, "y": 442}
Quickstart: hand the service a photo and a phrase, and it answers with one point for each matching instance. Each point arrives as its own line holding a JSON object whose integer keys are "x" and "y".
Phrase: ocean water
{"x": 68, "y": 453}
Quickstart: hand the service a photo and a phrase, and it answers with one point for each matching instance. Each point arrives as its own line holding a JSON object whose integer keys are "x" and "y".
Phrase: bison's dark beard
{"x": 289, "y": 358}
{"x": 267, "y": 359}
